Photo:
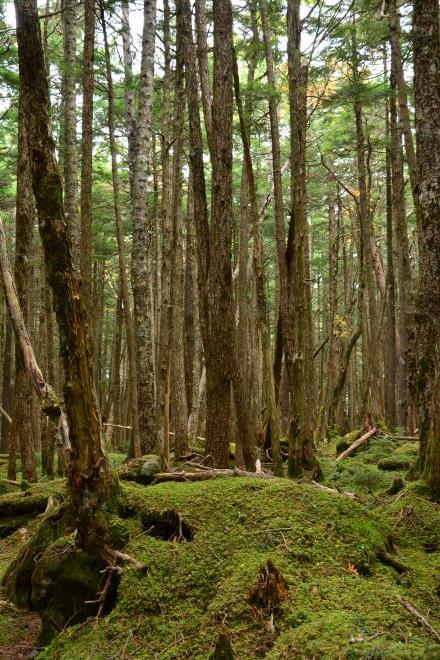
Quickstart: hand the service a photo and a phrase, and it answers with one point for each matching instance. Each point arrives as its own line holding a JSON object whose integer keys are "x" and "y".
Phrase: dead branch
{"x": 51, "y": 404}
{"x": 357, "y": 443}
{"x": 5, "y": 414}
{"x": 335, "y": 491}
{"x": 407, "y": 438}
{"x": 421, "y": 619}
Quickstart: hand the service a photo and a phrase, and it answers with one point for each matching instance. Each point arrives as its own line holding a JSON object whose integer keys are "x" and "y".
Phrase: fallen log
{"x": 406, "y": 438}
{"x": 210, "y": 473}
{"x": 421, "y": 619}
{"x": 357, "y": 443}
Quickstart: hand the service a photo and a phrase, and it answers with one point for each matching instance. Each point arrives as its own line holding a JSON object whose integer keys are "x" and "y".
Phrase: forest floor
{"x": 350, "y": 566}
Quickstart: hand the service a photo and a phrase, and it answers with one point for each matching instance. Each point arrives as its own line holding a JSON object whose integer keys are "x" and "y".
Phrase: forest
{"x": 220, "y": 329}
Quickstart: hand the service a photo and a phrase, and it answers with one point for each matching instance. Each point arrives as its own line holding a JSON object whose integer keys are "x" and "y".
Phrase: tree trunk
{"x": 390, "y": 353}
{"x": 90, "y": 480}
{"x": 25, "y": 217}
{"x": 427, "y": 349}
{"x": 402, "y": 249}
{"x": 263, "y": 316}
{"x": 135, "y": 447}
{"x": 142, "y": 311}
{"x": 69, "y": 146}
{"x": 86, "y": 159}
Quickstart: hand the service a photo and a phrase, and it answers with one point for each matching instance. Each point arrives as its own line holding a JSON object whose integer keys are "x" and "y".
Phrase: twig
{"x": 422, "y": 620}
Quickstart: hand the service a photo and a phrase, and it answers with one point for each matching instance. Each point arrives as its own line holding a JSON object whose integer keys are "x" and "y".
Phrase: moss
{"x": 195, "y": 591}
{"x": 32, "y": 500}
{"x": 342, "y": 600}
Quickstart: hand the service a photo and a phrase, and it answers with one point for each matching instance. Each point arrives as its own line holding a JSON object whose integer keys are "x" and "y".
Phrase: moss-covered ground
{"x": 343, "y": 598}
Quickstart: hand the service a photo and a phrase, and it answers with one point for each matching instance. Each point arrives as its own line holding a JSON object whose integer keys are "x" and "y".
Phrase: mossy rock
{"x": 142, "y": 470}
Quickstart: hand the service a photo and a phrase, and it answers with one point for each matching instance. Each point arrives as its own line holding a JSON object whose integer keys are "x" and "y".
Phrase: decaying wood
{"x": 357, "y": 443}
{"x": 208, "y": 473}
{"x": 271, "y": 589}
{"x": 422, "y": 620}
{"x": 51, "y": 404}
{"x": 407, "y": 438}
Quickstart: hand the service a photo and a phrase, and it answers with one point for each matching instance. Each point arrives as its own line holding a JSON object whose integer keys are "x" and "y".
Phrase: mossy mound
{"x": 342, "y": 601}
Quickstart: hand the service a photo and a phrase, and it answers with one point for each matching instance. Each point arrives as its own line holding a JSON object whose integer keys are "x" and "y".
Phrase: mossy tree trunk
{"x": 426, "y": 349}
{"x": 90, "y": 480}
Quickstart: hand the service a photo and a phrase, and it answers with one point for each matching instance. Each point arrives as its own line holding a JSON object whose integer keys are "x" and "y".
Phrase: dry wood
{"x": 357, "y": 443}
{"x": 408, "y": 438}
{"x": 335, "y": 491}
{"x": 422, "y": 620}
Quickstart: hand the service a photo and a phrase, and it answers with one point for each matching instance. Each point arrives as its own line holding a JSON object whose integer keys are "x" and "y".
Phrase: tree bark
{"x": 69, "y": 147}
{"x": 25, "y": 217}
{"x": 135, "y": 446}
{"x": 142, "y": 310}
{"x": 87, "y": 158}
{"x": 402, "y": 249}
{"x": 426, "y": 42}
{"x": 90, "y": 480}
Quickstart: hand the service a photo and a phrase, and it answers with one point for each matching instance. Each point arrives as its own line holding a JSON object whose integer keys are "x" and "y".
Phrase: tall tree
{"x": 90, "y": 480}
{"x": 23, "y": 272}
{"x": 426, "y": 41}
{"x": 142, "y": 309}
{"x": 87, "y": 157}
{"x": 69, "y": 146}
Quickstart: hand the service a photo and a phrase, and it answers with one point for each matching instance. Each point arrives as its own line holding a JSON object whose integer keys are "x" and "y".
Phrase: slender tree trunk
{"x": 296, "y": 352}
{"x": 135, "y": 446}
{"x": 402, "y": 97}
{"x": 69, "y": 147}
{"x": 263, "y": 315}
{"x": 390, "y": 343}
{"x": 142, "y": 310}
{"x": 368, "y": 303}
{"x": 177, "y": 357}
{"x": 202, "y": 60}
{"x": 402, "y": 249}
{"x": 166, "y": 303}
{"x": 130, "y": 115}
{"x": 23, "y": 273}
{"x": 87, "y": 158}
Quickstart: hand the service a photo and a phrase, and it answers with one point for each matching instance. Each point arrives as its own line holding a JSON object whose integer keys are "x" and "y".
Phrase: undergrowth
{"x": 343, "y": 598}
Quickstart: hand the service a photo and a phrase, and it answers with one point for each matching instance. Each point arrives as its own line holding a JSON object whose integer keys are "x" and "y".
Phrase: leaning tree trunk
{"x": 427, "y": 346}
{"x": 90, "y": 480}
